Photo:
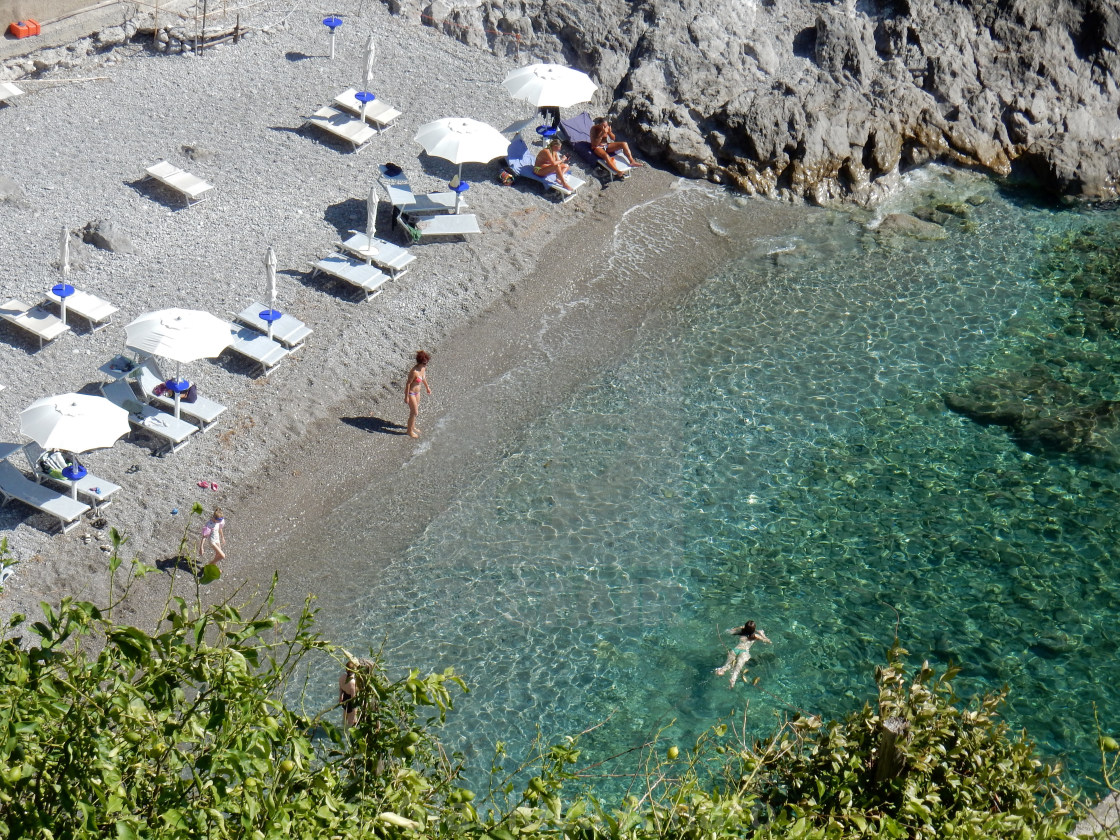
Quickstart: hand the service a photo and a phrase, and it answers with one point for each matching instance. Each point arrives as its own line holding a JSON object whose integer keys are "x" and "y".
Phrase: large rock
{"x": 830, "y": 100}
{"x": 108, "y": 236}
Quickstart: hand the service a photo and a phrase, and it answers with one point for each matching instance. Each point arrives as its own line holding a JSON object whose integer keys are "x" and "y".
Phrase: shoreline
{"x": 273, "y": 183}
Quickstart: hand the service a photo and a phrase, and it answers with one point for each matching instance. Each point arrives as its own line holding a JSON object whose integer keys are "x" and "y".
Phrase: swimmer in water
{"x": 740, "y": 655}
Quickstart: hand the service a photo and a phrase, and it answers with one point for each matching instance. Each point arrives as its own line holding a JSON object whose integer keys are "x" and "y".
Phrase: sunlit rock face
{"x": 830, "y": 100}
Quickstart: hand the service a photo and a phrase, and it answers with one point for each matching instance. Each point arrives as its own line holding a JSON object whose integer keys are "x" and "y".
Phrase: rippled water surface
{"x": 776, "y": 447}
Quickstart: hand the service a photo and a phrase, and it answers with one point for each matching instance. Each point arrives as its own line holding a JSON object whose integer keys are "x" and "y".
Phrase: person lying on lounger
{"x": 551, "y": 162}
{"x": 604, "y": 144}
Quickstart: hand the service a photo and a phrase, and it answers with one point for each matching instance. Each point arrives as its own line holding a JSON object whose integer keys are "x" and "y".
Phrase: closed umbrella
{"x": 64, "y": 257}
{"x": 370, "y": 52}
{"x": 549, "y": 85}
{"x": 271, "y": 314}
{"x": 462, "y": 140}
{"x": 270, "y": 276}
{"x": 371, "y": 215}
{"x": 182, "y": 335}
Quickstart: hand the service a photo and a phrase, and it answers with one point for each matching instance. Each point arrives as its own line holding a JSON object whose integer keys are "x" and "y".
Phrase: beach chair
{"x": 172, "y": 431}
{"x": 191, "y": 187}
{"x": 377, "y": 112}
{"x": 203, "y": 412}
{"x": 351, "y": 129}
{"x": 8, "y": 92}
{"x": 98, "y": 491}
{"x": 393, "y": 258}
{"x": 287, "y": 329}
{"x": 94, "y": 309}
{"x": 257, "y": 347}
{"x": 419, "y": 228}
{"x": 15, "y": 485}
{"x": 520, "y": 159}
{"x": 403, "y": 199}
{"x": 365, "y": 276}
{"x": 33, "y": 319}
{"x": 578, "y": 132}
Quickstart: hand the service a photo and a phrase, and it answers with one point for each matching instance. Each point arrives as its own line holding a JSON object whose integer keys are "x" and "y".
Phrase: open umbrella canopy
{"x": 462, "y": 140}
{"x": 182, "y": 335}
{"x": 549, "y": 85}
{"x": 74, "y": 422}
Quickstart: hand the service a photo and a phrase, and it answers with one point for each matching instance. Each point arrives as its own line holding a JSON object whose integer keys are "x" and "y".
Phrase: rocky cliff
{"x": 830, "y": 100}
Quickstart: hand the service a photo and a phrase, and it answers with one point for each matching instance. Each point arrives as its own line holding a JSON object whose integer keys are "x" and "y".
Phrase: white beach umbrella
{"x": 462, "y": 140}
{"x": 371, "y": 214}
{"x": 370, "y": 53}
{"x": 64, "y": 256}
{"x": 270, "y": 276}
{"x": 182, "y": 335}
{"x": 74, "y": 422}
{"x": 550, "y": 85}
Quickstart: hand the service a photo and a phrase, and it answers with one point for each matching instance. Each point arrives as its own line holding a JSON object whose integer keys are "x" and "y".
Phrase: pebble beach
{"x": 328, "y": 420}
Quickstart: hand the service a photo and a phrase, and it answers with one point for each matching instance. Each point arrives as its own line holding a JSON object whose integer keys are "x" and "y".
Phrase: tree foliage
{"x": 109, "y": 731}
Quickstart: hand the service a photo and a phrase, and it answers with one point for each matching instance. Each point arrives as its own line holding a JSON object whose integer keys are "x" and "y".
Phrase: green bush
{"x": 182, "y": 733}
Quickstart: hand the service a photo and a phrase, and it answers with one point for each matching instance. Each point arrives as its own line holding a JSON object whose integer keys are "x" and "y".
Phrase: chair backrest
{"x": 147, "y": 378}
{"x": 519, "y": 155}
{"x": 578, "y": 128}
{"x": 33, "y": 451}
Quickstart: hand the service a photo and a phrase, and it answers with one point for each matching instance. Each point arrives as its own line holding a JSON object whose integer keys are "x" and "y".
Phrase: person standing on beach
{"x": 213, "y": 532}
{"x": 740, "y": 655}
{"x": 417, "y": 377}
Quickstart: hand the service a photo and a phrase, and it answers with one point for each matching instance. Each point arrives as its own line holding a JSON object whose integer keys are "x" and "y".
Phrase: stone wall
{"x": 40, "y": 10}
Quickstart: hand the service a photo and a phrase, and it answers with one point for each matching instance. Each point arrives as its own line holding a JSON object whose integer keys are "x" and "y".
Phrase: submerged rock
{"x": 904, "y": 223}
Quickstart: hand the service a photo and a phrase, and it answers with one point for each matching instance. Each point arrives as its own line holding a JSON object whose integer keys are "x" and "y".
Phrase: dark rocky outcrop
{"x": 108, "y": 236}
{"x": 830, "y": 100}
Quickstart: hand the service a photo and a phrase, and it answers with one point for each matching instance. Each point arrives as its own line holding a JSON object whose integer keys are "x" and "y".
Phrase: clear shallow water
{"x": 776, "y": 447}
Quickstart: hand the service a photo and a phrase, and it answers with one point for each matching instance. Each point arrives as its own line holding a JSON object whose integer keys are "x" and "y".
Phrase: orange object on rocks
{"x": 24, "y": 28}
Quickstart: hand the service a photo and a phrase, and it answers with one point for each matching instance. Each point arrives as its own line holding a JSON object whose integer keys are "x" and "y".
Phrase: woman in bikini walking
{"x": 417, "y": 377}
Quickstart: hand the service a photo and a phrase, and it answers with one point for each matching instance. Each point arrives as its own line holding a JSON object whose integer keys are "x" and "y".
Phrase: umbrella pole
{"x": 177, "y": 403}
{"x": 63, "y": 308}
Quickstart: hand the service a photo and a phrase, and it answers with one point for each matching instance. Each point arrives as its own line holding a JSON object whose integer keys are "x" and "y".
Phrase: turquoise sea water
{"x": 775, "y": 446}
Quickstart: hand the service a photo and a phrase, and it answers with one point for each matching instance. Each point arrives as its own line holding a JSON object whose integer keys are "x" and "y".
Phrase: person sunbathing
{"x": 605, "y": 146}
{"x": 551, "y": 162}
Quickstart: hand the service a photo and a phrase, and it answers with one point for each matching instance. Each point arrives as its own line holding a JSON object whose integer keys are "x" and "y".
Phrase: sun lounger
{"x": 377, "y": 112}
{"x": 34, "y": 319}
{"x": 266, "y": 352}
{"x": 391, "y": 257}
{"x": 520, "y": 159}
{"x": 349, "y": 128}
{"x": 203, "y": 412}
{"x": 97, "y": 490}
{"x": 191, "y": 187}
{"x": 420, "y": 227}
{"x": 94, "y": 309}
{"x": 403, "y": 199}
{"x": 578, "y": 132}
{"x": 8, "y": 92}
{"x": 287, "y": 329}
{"x": 15, "y": 485}
{"x": 366, "y": 277}
{"x": 171, "y": 430}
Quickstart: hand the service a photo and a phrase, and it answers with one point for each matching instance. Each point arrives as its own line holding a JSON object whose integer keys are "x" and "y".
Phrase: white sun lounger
{"x": 520, "y": 158}
{"x": 97, "y": 490}
{"x": 191, "y": 187}
{"x": 421, "y": 227}
{"x": 8, "y": 92}
{"x": 15, "y": 485}
{"x": 266, "y": 352}
{"x": 203, "y": 412}
{"x": 287, "y": 329}
{"x": 392, "y": 257}
{"x": 368, "y": 278}
{"x": 94, "y": 309}
{"x": 34, "y": 319}
{"x": 403, "y": 199}
{"x": 377, "y": 112}
{"x": 172, "y": 430}
{"x": 349, "y": 128}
